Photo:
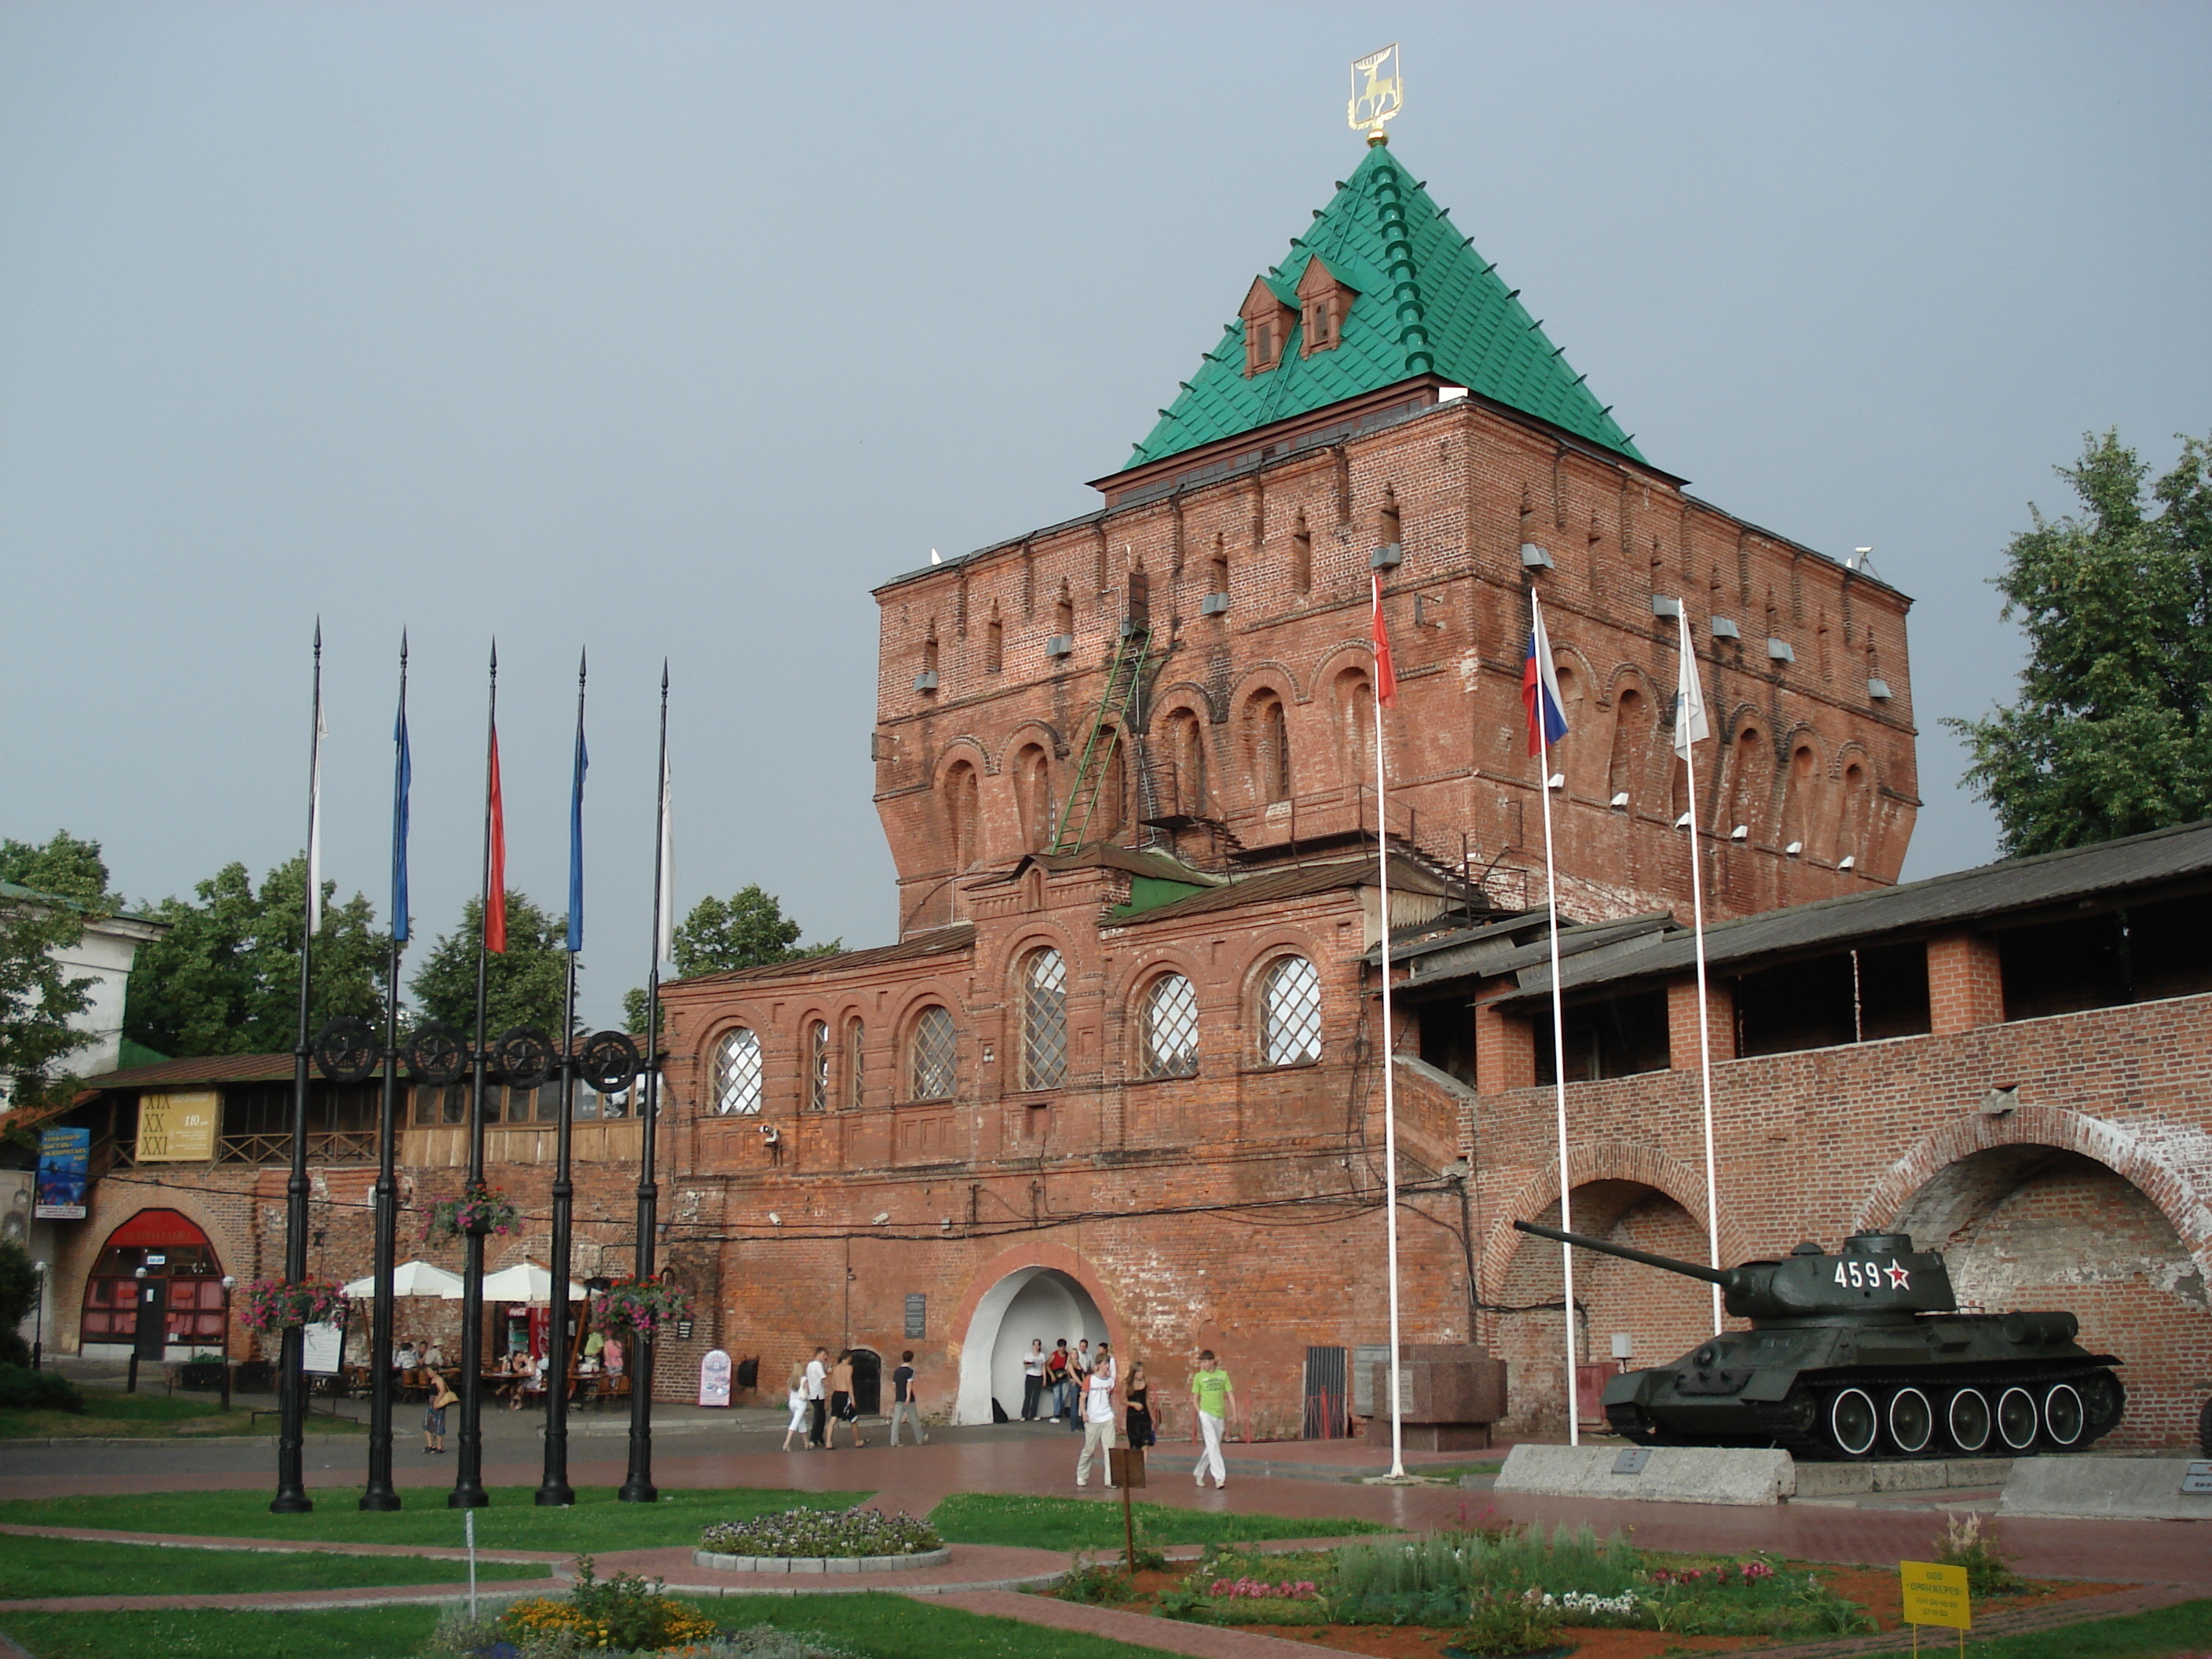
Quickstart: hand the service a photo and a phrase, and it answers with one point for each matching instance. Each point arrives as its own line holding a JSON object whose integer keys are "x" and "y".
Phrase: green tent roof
{"x": 1426, "y": 303}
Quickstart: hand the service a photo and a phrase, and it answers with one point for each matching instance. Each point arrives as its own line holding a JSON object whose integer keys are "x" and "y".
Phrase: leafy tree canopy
{"x": 225, "y": 979}
{"x": 523, "y": 986}
{"x": 38, "y": 996}
{"x": 19, "y": 1295}
{"x": 2111, "y": 734}
{"x": 746, "y": 930}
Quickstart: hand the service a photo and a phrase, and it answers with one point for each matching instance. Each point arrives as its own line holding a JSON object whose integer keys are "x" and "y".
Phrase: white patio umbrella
{"x": 525, "y": 1281}
{"x": 412, "y": 1279}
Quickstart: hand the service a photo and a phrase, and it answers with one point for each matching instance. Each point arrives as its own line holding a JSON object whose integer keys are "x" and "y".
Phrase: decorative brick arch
{"x": 1604, "y": 1160}
{"x": 972, "y": 1391}
{"x": 2177, "y": 1198}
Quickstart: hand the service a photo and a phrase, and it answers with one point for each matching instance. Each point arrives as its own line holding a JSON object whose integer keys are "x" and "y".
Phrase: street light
{"x": 39, "y": 1330}
{"x": 137, "y": 1331}
{"x": 228, "y": 1283}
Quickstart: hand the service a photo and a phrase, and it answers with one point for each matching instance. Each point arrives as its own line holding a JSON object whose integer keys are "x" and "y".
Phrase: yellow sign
{"x": 178, "y": 1127}
{"x": 1935, "y": 1594}
{"x": 1377, "y": 90}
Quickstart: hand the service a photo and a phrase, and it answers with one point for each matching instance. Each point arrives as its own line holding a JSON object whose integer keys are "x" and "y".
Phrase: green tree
{"x": 522, "y": 986}
{"x": 225, "y": 978}
{"x": 746, "y": 930}
{"x": 38, "y": 997}
{"x": 2111, "y": 734}
{"x": 19, "y": 1297}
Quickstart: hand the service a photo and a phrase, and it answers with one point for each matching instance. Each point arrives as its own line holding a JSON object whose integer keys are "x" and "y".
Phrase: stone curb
{"x": 824, "y": 1563}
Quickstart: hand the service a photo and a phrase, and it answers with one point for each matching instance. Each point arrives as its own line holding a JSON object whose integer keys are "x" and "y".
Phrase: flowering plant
{"x": 478, "y": 1209}
{"x": 625, "y": 1613}
{"x": 273, "y": 1305}
{"x": 855, "y": 1531}
{"x": 1303, "y": 1589}
{"x": 642, "y": 1306}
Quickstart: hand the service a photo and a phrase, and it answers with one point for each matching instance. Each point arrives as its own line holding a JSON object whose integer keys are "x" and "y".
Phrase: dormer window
{"x": 1323, "y": 303}
{"x": 1268, "y": 325}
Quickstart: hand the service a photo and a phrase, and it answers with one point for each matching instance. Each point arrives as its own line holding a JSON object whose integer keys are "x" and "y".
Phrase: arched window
{"x": 963, "y": 813}
{"x": 930, "y": 1070}
{"x": 1044, "y": 1020}
{"x": 1631, "y": 729}
{"x": 1355, "y": 728}
{"x": 1289, "y": 1013}
{"x": 855, "y": 1077}
{"x": 1033, "y": 797}
{"x": 1187, "y": 756}
{"x": 1857, "y": 813}
{"x": 1171, "y": 1028}
{"x": 1750, "y": 780}
{"x": 818, "y": 1065}
{"x": 737, "y": 1074}
{"x": 1800, "y": 787}
{"x": 1271, "y": 749}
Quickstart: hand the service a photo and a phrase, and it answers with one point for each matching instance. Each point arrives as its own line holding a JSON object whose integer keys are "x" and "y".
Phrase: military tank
{"x": 1863, "y": 1354}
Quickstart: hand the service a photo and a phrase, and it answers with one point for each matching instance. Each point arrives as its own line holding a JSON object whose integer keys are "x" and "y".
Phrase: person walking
{"x": 905, "y": 1403}
{"x": 433, "y": 1415}
{"x": 1137, "y": 1419}
{"x": 1215, "y": 1397}
{"x": 795, "y": 1397}
{"x": 1032, "y": 1378}
{"x": 818, "y": 1397}
{"x": 1097, "y": 1417}
{"x": 843, "y": 1408}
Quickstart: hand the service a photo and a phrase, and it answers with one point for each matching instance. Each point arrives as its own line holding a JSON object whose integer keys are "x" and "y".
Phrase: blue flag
{"x": 576, "y": 843}
{"x": 403, "y": 774}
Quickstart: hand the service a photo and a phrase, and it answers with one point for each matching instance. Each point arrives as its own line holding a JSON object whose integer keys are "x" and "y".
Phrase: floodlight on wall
{"x": 1780, "y": 651}
{"x": 944, "y": 1223}
{"x": 1557, "y": 780}
{"x": 1665, "y": 605}
{"x": 1878, "y": 690}
{"x": 1682, "y": 823}
{"x": 1624, "y": 1346}
{"x": 1060, "y": 645}
{"x": 1213, "y": 605}
{"x": 881, "y": 1216}
{"x": 773, "y": 1220}
{"x": 1849, "y": 861}
{"x": 1724, "y": 628}
{"x": 1387, "y": 557}
{"x": 925, "y": 681}
{"x": 1794, "y": 849}
{"x": 1534, "y": 558}
{"x": 1741, "y": 832}
{"x": 1620, "y": 801}
{"x": 1450, "y": 394}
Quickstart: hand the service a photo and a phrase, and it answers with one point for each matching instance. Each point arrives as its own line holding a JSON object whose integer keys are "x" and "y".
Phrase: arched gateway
{"x": 1031, "y": 1302}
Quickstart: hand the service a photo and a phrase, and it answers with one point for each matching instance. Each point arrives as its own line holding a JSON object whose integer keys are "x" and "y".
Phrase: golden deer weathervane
{"x": 1378, "y": 92}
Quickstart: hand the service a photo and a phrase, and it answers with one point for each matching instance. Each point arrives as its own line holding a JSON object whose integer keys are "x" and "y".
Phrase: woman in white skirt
{"x": 795, "y": 1396}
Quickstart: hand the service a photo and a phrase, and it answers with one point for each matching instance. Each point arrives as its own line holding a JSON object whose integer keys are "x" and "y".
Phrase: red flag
{"x": 495, "y": 919}
{"x": 1386, "y": 675}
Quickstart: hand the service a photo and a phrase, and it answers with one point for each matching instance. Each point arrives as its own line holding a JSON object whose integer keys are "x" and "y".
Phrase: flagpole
{"x": 378, "y": 1494}
{"x": 468, "y": 1493}
{"x": 291, "y": 1481}
{"x": 1686, "y": 744}
{"x": 1558, "y": 1021}
{"x": 1390, "y": 1082}
{"x": 553, "y": 1490}
{"x": 638, "y": 1487}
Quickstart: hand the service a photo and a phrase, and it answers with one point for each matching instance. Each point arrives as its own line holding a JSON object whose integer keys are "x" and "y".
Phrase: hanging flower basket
{"x": 272, "y": 1305}
{"x": 478, "y": 1211}
{"x": 642, "y": 1307}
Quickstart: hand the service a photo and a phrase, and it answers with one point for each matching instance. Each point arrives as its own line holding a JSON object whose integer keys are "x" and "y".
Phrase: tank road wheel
{"x": 2016, "y": 1418}
{"x": 1967, "y": 1420}
{"x": 1911, "y": 1420}
{"x": 1853, "y": 1422}
{"x": 2062, "y": 1416}
{"x": 2104, "y": 1398}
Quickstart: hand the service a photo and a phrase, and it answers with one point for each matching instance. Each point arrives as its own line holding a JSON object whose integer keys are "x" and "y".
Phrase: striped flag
{"x": 402, "y": 778}
{"x": 315, "y": 812}
{"x": 664, "y": 900}
{"x": 576, "y": 839}
{"x": 495, "y": 899}
{"x": 1539, "y": 686}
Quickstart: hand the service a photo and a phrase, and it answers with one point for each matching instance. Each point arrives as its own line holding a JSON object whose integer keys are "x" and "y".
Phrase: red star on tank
{"x": 1899, "y": 1277}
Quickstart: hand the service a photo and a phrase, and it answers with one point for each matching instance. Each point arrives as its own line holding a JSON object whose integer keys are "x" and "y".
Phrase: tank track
{"x": 1783, "y": 1425}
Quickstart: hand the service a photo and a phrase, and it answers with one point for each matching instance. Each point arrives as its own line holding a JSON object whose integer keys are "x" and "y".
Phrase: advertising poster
{"x": 63, "y": 1154}
{"x": 321, "y": 1349}
{"x": 178, "y": 1127}
{"x": 715, "y": 1379}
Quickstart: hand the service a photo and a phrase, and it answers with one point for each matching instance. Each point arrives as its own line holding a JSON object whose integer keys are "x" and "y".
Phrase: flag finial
{"x": 402, "y": 647}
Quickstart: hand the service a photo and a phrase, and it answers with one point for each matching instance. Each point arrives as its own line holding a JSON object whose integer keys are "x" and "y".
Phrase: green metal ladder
{"x": 1125, "y": 682}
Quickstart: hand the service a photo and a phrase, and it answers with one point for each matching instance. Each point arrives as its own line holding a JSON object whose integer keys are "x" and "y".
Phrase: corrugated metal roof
{"x": 2091, "y": 877}
{"x": 935, "y": 942}
{"x": 1280, "y": 886}
{"x": 203, "y": 1068}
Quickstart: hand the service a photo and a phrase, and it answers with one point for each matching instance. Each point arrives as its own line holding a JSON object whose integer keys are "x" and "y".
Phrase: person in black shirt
{"x": 1137, "y": 1416}
{"x": 905, "y": 1406}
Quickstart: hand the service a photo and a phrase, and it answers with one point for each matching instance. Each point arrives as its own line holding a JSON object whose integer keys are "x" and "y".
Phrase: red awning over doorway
{"x": 153, "y": 1229}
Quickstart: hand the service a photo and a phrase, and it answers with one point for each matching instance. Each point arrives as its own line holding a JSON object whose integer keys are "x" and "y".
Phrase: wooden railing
{"x": 327, "y": 1146}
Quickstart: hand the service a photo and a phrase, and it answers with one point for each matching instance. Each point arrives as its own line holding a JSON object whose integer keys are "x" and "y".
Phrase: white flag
{"x": 1689, "y": 696}
{"x": 664, "y": 909}
{"x": 315, "y": 818}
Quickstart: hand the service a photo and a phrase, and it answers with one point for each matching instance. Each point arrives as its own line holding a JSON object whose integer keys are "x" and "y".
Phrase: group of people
{"x": 523, "y": 1375}
{"x": 821, "y": 1395}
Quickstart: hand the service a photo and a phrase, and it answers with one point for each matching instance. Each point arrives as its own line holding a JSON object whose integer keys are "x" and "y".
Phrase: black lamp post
{"x": 39, "y": 1328}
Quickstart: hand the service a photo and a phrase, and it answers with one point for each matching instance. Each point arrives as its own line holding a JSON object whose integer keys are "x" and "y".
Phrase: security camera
{"x": 773, "y": 1220}
{"x": 882, "y": 1216}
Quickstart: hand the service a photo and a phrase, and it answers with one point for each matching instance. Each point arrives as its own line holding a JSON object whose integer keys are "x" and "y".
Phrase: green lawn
{"x": 2175, "y": 1633}
{"x": 1077, "y": 1523}
{"x": 58, "y": 1566}
{"x": 597, "y": 1522}
{"x": 348, "y": 1633}
{"x": 110, "y": 1413}
{"x": 882, "y": 1625}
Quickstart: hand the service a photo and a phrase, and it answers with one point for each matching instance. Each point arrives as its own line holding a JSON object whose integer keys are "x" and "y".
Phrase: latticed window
{"x": 1044, "y": 1020}
{"x": 855, "y": 1079}
{"x": 1171, "y": 1028}
{"x": 737, "y": 1073}
{"x": 817, "y": 1066}
{"x": 933, "y": 1071}
{"x": 1289, "y": 1013}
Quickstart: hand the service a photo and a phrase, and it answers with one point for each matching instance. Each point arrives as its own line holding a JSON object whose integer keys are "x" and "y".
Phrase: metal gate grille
{"x": 1328, "y": 1410}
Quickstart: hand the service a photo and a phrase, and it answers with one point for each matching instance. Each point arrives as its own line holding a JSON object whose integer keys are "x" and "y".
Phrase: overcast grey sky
{"x": 671, "y": 330}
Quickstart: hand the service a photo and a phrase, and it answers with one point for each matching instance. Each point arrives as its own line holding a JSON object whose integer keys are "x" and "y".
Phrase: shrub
{"x": 623, "y": 1613}
{"x": 22, "y": 1390}
{"x": 1096, "y": 1584}
{"x": 1500, "y": 1625}
{"x": 1963, "y": 1545}
{"x": 856, "y": 1531}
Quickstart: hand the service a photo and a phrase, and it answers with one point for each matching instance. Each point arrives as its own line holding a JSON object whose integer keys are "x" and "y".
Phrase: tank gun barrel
{"x": 1725, "y": 1279}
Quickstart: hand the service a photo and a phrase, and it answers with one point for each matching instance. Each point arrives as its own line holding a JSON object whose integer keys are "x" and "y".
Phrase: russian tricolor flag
{"x": 1539, "y": 686}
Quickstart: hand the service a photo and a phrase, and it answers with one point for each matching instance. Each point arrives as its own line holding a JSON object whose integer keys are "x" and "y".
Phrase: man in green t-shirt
{"x": 1215, "y": 1397}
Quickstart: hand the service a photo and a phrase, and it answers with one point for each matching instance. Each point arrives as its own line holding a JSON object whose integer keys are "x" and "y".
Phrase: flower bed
{"x": 641, "y": 1306}
{"x": 478, "y": 1211}
{"x": 858, "y": 1539}
{"x": 272, "y": 1305}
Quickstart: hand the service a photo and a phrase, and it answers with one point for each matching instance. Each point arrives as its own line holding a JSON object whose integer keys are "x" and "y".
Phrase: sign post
{"x": 1125, "y": 1468}
{"x": 1935, "y": 1594}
